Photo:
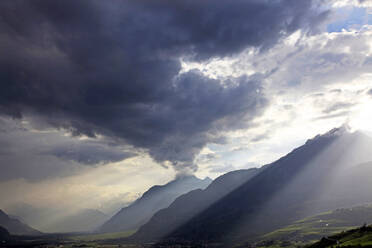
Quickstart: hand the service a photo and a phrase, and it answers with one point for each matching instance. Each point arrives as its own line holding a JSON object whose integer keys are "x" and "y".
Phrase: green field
{"x": 104, "y": 236}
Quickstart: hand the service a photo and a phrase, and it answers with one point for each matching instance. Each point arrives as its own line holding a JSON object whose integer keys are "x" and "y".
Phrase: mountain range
{"x": 58, "y": 220}
{"x": 85, "y": 220}
{"x": 156, "y": 198}
{"x": 327, "y": 172}
{"x": 317, "y": 189}
{"x": 190, "y": 204}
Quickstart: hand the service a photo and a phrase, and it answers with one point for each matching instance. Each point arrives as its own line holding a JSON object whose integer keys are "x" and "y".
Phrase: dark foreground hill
{"x": 156, "y": 198}
{"x": 359, "y": 237}
{"x": 4, "y": 234}
{"x": 14, "y": 226}
{"x": 319, "y": 176}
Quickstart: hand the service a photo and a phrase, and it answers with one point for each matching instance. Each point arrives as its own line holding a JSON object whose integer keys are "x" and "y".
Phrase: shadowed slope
{"x": 156, "y": 198}
{"x": 190, "y": 204}
{"x": 4, "y": 234}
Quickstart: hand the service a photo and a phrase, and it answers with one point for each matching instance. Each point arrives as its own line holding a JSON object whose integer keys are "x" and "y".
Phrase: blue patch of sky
{"x": 350, "y": 18}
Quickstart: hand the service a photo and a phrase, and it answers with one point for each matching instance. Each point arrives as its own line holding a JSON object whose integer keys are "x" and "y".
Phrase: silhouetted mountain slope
{"x": 359, "y": 237}
{"x": 15, "y": 226}
{"x": 4, "y": 234}
{"x": 156, "y": 198}
{"x": 190, "y": 204}
{"x": 300, "y": 184}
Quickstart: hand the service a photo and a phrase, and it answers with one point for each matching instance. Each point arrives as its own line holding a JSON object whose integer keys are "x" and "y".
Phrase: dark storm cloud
{"x": 36, "y": 156}
{"x": 112, "y": 67}
{"x": 90, "y": 153}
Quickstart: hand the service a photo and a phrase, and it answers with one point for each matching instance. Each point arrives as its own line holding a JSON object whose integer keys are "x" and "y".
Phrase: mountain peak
{"x": 333, "y": 133}
{"x": 344, "y": 129}
{"x": 181, "y": 180}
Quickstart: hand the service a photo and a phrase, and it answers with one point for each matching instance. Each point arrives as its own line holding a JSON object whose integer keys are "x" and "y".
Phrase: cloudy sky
{"x": 99, "y": 100}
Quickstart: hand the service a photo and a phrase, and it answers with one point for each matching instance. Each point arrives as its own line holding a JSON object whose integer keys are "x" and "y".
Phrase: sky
{"x": 100, "y": 100}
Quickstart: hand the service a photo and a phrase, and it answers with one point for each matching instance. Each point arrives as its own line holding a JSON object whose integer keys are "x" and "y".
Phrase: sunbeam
{"x": 181, "y": 123}
{"x": 361, "y": 119}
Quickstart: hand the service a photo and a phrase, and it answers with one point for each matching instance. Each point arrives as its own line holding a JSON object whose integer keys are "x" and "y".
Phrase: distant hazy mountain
{"x": 31, "y": 215}
{"x": 156, "y": 198}
{"x": 85, "y": 220}
{"x": 14, "y": 226}
{"x": 58, "y": 220}
{"x": 313, "y": 178}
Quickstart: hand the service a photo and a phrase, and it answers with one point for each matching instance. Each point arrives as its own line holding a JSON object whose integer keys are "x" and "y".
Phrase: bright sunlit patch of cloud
{"x": 220, "y": 68}
{"x": 362, "y": 118}
{"x": 293, "y": 38}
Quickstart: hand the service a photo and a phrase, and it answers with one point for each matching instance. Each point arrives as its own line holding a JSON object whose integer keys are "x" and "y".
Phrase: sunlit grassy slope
{"x": 324, "y": 224}
{"x": 359, "y": 237}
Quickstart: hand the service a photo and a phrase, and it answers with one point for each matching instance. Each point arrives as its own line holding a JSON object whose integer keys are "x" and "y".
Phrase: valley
{"x": 303, "y": 197}
{"x": 185, "y": 123}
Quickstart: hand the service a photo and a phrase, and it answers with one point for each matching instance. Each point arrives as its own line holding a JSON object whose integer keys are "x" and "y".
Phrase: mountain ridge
{"x": 189, "y": 204}
{"x": 154, "y": 199}
{"x": 16, "y": 227}
{"x": 276, "y": 195}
